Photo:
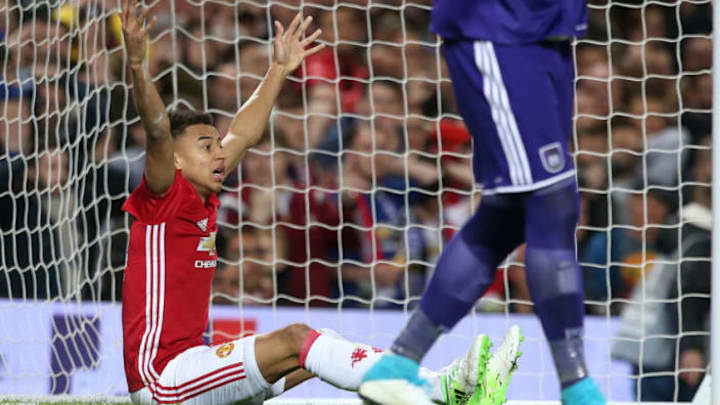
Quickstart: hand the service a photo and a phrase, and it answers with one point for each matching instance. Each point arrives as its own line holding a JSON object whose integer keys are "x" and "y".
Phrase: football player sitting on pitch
{"x": 172, "y": 259}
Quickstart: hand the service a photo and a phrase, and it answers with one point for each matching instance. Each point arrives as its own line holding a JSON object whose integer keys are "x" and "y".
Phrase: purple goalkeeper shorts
{"x": 517, "y": 102}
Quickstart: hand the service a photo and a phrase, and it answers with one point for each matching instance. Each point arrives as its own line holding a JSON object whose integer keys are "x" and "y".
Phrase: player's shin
{"x": 338, "y": 361}
{"x": 556, "y": 287}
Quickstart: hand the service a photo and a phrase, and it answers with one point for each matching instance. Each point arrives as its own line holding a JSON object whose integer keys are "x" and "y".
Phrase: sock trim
{"x": 307, "y": 344}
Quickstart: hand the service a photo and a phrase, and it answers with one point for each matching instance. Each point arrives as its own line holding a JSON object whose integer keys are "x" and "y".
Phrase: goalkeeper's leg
{"x": 556, "y": 286}
{"x": 464, "y": 271}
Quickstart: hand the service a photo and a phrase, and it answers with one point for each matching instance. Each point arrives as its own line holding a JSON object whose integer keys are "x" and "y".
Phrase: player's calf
{"x": 281, "y": 351}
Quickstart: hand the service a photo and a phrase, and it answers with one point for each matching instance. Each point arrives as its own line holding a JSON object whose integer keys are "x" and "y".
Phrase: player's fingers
{"x": 131, "y": 12}
{"x": 143, "y": 15}
{"x": 313, "y": 50}
{"x": 149, "y": 27}
{"x": 303, "y": 27}
{"x": 309, "y": 40}
{"x": 294, "y": 24}
{"x": 124, "y": 6}
{"x": 279, "y": 28}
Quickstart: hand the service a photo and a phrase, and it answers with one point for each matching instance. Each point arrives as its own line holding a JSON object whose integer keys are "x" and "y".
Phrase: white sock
{"x": 342, "y": 363}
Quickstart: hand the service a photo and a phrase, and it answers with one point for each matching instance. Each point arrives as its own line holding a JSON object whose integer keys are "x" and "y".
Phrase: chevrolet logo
{"x": 207, "y": 244}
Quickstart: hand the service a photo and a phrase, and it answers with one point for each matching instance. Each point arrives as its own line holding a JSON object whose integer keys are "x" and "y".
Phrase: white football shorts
{"x": 208, "y": 375}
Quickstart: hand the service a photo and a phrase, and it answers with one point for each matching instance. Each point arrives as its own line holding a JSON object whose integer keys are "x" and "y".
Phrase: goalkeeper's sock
{"x": 417, "y": 337}
{"x": 569, "y": 357}
{"x": 343, "y": 363}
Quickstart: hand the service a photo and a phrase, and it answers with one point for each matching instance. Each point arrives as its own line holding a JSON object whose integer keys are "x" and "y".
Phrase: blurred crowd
{"x": 365, "y": 170}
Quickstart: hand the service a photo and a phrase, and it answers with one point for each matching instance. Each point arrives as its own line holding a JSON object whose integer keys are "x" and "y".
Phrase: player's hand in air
{"x": 134, "y": 33}
{"x": 290, "y": 46}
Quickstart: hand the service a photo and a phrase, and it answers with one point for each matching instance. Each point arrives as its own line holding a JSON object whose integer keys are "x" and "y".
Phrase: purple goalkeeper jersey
{"x": 509, "y": 22}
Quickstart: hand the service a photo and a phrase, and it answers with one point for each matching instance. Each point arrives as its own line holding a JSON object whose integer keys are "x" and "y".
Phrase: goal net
{"x": 337, "y": 217}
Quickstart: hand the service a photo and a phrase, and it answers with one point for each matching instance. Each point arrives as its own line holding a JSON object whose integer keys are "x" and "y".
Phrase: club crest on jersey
{"x": 202, "y": 224}
{"x": 552, "y": 157}
{"x": 225, "y": 350}
{"x": 207, "y": 244}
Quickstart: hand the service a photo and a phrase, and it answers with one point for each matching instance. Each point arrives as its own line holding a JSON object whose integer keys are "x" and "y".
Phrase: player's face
{"x": 199, "y": 154}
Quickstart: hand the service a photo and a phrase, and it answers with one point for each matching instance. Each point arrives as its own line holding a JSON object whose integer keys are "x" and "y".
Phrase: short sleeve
{"x": 150, "y": 208}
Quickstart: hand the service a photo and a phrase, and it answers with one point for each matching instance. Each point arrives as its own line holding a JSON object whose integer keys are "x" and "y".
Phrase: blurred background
{"x": 364, "y": 172}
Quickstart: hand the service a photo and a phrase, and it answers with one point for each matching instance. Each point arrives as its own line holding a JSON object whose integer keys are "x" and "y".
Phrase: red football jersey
{"x": 170, "y": 267}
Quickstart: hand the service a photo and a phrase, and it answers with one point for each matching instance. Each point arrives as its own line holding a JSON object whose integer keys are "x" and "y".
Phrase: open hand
{"x": 133, "y": 32}
{"x": 290, "y": 46}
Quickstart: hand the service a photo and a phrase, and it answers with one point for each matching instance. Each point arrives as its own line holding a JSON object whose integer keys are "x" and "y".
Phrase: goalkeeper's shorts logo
{"x": 552, "y": 157}
{"x": 225, "y": 350}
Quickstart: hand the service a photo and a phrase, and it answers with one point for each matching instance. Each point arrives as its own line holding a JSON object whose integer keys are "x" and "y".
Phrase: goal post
{"x": 338, "y": 216}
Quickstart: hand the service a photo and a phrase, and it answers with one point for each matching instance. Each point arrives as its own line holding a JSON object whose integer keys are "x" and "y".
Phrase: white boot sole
{"x": 393, "y": 392}
{"x": 502, "y": 361}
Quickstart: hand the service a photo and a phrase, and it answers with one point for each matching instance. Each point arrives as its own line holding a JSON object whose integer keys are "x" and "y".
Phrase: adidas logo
{"x": 202, "y": 224}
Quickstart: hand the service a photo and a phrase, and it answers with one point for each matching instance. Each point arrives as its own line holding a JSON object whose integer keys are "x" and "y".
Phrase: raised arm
{"x": 159, "y": 165}
{"x": 289, "y": 51}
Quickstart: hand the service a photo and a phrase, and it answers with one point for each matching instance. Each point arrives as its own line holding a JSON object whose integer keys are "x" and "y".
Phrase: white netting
{"x": 364, "y": 175}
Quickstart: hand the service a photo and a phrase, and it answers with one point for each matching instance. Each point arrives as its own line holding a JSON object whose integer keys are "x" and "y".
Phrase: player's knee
{"x": 552, "y": 273}
{"x": 295, "y": 334}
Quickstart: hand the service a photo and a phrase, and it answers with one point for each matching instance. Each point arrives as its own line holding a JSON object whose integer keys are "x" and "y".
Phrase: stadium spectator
{"x": 15, "y": 126}
{"x": 632, "y": 245}
{"x": 664, "y": 139}
{"x": 697, "y": 98}
{"x": 312, "y": 225}
{"x": 131, "y": 159}
{"x": 39, "y": 218}
{"x": 222, "y": 84}
{"x": 679, "y": 306}
{"x": 251, "y": 268}
{"x": 376, "y": 214}
{"x": 341, "y": 66}
{"x": 626, "y": 160}
{"x": 254, "y": 60}
{"x": 101, "y": 195}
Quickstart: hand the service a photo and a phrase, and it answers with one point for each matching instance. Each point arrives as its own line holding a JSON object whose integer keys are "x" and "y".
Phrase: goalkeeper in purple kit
{"x": 512, "y": 68}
